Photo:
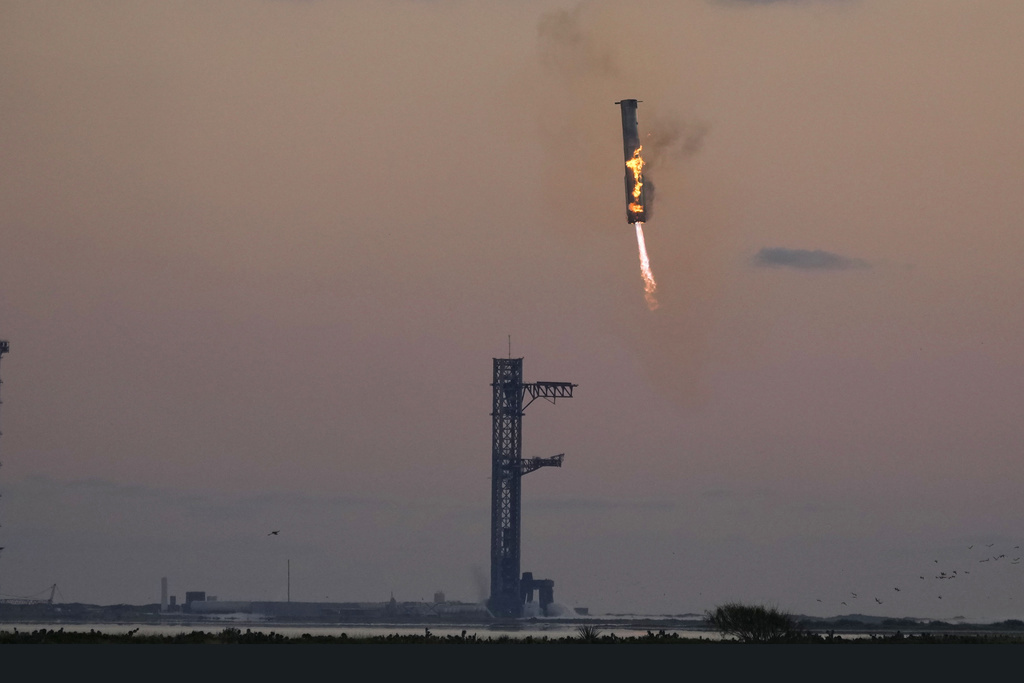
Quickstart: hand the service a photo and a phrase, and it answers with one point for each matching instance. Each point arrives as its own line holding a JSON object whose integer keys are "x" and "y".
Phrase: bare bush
{"x": 753, "y": 623}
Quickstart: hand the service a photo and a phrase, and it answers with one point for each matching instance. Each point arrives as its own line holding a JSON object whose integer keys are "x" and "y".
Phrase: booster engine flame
{"x": 645, "y": 268}
{"x": 636, "y": 165}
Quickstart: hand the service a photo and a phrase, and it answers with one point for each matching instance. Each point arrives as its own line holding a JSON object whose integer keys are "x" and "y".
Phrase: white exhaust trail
{"x": 645, "y": 268}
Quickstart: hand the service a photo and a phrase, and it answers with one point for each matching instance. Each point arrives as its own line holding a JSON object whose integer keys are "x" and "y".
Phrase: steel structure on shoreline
{"x": 510, "y": 591}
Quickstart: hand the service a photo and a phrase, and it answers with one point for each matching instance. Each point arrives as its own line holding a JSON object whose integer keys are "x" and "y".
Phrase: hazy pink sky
{"x": 256, "y": 257}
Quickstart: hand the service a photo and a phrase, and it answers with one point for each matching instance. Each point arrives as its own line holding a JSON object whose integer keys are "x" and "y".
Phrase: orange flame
{"x": 636, "y": 165}
{"x": 645, "y": 268}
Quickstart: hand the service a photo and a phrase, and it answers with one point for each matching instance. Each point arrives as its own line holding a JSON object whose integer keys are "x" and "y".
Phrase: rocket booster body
{"x": 636, "y": 211}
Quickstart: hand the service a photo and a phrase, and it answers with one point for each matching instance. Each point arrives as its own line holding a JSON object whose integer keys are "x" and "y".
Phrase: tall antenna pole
{"x": 5, "y": 347}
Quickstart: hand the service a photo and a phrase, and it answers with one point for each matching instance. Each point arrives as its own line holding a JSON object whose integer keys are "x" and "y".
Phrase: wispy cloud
{"x": 805, "y": 259}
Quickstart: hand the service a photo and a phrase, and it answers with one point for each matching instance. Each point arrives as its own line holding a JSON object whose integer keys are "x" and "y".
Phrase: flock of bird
{"x": 978, "y": 554}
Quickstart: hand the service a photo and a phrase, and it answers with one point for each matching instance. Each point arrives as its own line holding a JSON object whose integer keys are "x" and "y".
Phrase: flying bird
{"x": 897, "y": 590}
{"x": 274, "y": 533}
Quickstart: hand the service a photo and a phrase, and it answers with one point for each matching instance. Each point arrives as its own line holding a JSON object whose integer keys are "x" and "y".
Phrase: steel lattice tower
{"x": 507, "y": 470}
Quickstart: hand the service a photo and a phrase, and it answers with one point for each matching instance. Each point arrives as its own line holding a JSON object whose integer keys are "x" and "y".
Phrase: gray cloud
{"x": 805, "y": 259}
{"x": 573, "y": 49}
{"x": 672, "y": 139}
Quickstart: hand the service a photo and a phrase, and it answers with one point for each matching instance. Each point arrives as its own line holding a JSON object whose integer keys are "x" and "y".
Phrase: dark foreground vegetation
{"x": 585, "y": 635}
{"x": 741, "y": 623}
{"x": 734, "y": 622}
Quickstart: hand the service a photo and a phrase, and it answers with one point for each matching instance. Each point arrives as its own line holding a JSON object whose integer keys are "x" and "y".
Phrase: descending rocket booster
{"x": 635, "y": 204}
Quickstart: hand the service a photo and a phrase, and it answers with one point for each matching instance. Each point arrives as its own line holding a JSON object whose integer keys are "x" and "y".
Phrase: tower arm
{"x": 547, "y": 390}
{"x": 528, "y": 465}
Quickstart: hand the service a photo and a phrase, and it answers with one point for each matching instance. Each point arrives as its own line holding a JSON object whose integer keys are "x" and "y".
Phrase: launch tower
{"x": 509, "y": 591}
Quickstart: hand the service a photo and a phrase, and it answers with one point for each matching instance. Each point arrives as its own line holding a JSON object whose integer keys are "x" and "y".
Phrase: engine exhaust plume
{"x": 645, "y": 268}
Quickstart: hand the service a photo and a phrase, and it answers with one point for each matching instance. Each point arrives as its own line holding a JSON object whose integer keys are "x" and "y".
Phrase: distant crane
{"x": 32, "y": 601}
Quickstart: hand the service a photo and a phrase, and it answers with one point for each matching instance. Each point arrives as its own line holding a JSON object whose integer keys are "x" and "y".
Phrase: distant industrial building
{"x": 193, "y": 596}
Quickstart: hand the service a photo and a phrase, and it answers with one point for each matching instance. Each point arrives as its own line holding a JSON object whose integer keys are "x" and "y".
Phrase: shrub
{"x": 753, "y": 623}
{"x": 588, "y": 633}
